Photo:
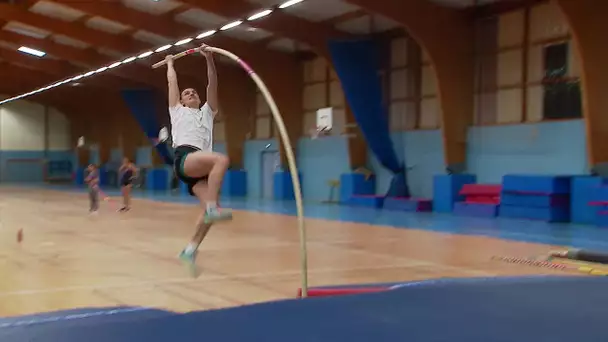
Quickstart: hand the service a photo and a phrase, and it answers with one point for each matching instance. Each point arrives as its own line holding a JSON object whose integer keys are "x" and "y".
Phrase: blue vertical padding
{"x": 79, "y": 178}
{"x": 357, "y": 64}
{"x": 141, "y": 103}
{"x": 235, "y": 183}
{"x": 446, "y": 189}
{"x": 283, "y": 186}
{"x": 158, "y": 179}
{"x": 584, "y": 190}
{"x": 103, "y": 176}
{"x": 352, "y": 184}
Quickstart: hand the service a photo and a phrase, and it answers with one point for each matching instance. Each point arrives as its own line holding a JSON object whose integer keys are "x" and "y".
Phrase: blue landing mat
{"x": 486, "y": 310}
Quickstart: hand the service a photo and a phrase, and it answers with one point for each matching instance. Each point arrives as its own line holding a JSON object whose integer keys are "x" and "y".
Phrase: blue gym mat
{"x": 519, "y": 309}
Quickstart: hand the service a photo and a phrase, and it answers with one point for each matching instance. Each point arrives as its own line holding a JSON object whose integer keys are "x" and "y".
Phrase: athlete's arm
{"x": 212, "y": 98}
{"x": 172, "y": 81}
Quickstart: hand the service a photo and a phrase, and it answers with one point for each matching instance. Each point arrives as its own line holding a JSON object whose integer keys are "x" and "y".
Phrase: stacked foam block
{"x": 408, "y": 204}
{"x": 359, "y": 190}
{"x": 600, "y": 204}
{"x": 545, "y": 198}
{"x": 446, "y": 191}
{"x": 585, "y": 192}
{"x": 480, "y": 200}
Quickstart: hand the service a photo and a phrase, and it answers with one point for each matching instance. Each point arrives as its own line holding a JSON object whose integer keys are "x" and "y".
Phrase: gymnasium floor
{"x": 69, "y": 259}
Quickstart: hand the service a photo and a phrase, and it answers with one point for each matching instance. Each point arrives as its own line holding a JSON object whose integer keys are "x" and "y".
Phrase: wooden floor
{"x": 69, "y": 259}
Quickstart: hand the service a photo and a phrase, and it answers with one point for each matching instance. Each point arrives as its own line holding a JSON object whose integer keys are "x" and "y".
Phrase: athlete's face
{"x": 190, "y": 98}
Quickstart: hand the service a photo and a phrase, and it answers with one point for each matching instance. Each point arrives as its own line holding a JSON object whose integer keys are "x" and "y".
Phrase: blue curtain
{"x": 357, "y": 65}
{"x": 141, "y": 103}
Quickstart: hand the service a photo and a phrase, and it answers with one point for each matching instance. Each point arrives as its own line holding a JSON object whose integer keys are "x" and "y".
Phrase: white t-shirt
{"x": 192, "y": 126}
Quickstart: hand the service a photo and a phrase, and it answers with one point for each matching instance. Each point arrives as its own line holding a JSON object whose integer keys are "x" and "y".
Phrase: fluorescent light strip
{"x": 259, "y": 15}
{"x": 206, "y": 34}
{"x": 209, "y": 33}
{"x": 31, "y": 51}
{"x": 289, "y": 3}
{"x": 183, "y": 41}
{"x": 129, "y": 60}
{"x": 231, "y": 25}
{"x": 145, "y": 54}
{"x": 163, "y": 48}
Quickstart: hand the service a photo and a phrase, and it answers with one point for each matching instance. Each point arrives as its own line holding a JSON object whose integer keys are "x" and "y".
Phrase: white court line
{"x": 204, "y": 278}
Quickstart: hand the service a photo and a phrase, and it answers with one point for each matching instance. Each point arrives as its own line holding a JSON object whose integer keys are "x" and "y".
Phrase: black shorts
{"x": 178, "y": 164}
{"x": 126, "y": 178}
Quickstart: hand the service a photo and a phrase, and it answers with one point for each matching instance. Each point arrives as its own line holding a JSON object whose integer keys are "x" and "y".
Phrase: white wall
{"x": 59, "y": 131}
{"x": 22, "y": 127}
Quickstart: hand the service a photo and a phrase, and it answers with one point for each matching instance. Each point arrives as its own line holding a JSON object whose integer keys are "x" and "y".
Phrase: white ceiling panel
{"x": 368, "y": 24}
{"x": 319, "y": 10}
{"x": 61, "y": 39}
{"x": 283, "y": 44}
{"x": 57, "y": 11}
{"x": 103, "y": 24}
{"x": 246, "y": 33}
{"x": 26, "y": 30}
{"x": 201, "y": 19}
{"x": 110, "y": 53}
{"x": 152, "y": 38}
{"x": 9, "y": 46}
{"x": 152, "y": 7}
{"x": 382, "y": 23}
{"x": 361, "y": 25}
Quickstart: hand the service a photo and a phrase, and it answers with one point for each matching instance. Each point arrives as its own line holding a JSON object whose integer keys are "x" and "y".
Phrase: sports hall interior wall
{"x": 512, "y": 132}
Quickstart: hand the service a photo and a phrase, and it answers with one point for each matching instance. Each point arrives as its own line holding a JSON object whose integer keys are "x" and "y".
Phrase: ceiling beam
{"x": 131, "y": 76}
{"x": 80, "y": 32}
{"x": 56, "y": 26}
{"x": 314, "y": 34}
{"x": 59, "y": 69}
{"x": 48, "y": 66}
{"x": 167, "y": 27}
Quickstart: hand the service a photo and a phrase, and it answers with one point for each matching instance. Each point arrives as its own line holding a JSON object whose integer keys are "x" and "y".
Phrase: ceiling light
{"x": 77, "y": 77}
{"x": 259, "y": 15}
{"x": 231, "y": 25}
{"x": 183, "y": 41}
{"x": 145, "y": 54}
{"x": 289, "y": 3}
{"x": 88, "y": 74}
{"x": 128, "y": 60}
{"x": 101, "y": 70}
{"x": 163, "y": 48}
{"x": 114, "y": 65}
{"x": 31, "y": 51}
{"x": 206, "y": 34}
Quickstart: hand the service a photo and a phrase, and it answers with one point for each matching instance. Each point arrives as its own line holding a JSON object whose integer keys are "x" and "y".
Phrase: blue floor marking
{"x": 572, "y": 235}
